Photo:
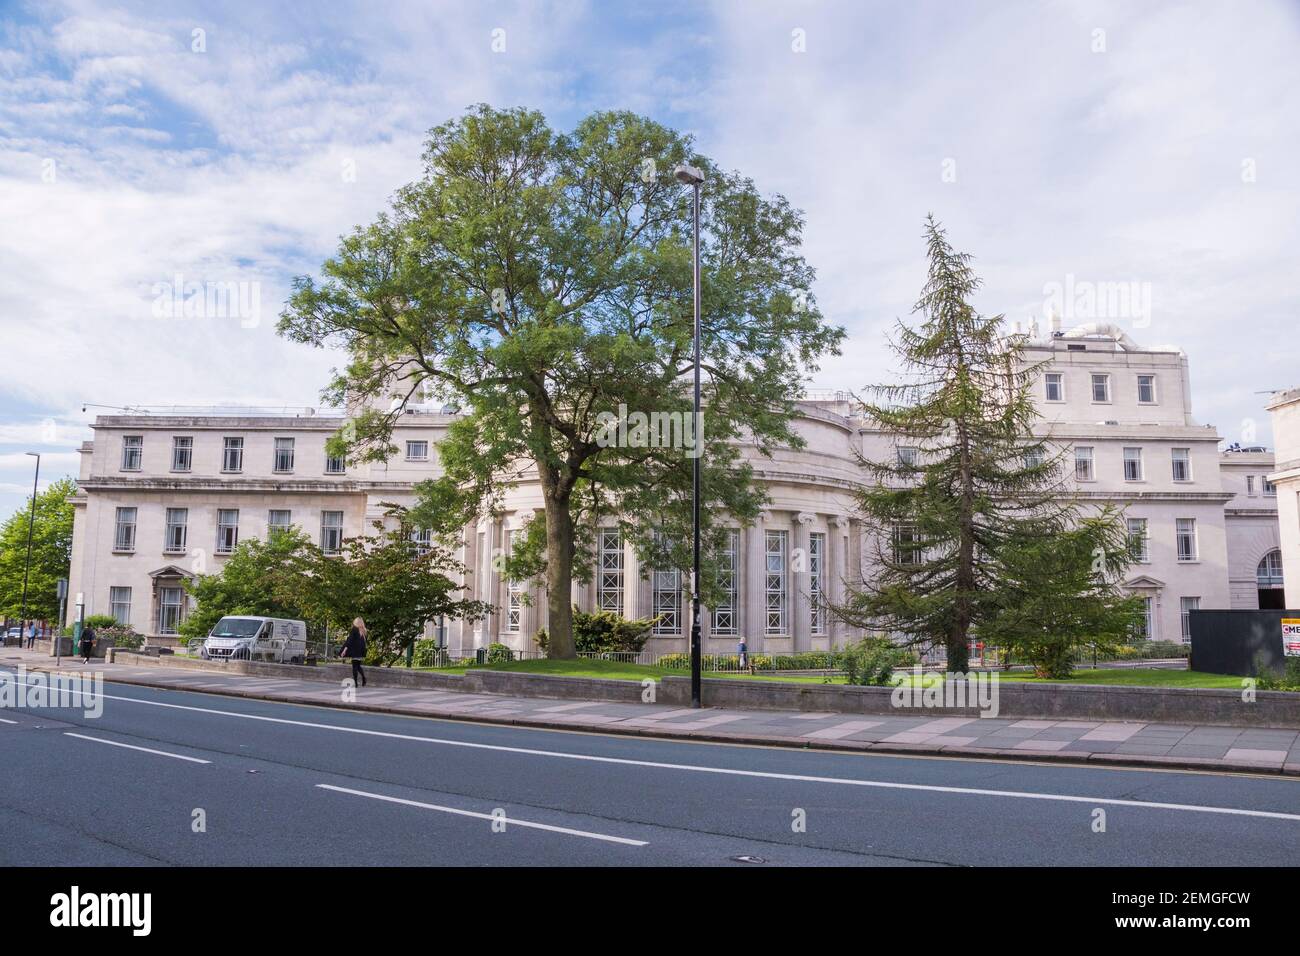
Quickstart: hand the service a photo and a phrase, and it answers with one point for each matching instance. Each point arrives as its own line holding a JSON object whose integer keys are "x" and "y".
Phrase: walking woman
{"x": 87, "y": 643}
{"x": 355, "y": 651}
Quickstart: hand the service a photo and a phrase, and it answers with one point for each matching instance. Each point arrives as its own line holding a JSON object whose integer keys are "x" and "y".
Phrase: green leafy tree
{"x": 387, "y": 581}
{"x": 541, "y": 282}
{"x": 51, "y": 553}
{"x": 1062, "y": 594}
{"x": 941, "y": 520}
{"x": 261, "y": 577}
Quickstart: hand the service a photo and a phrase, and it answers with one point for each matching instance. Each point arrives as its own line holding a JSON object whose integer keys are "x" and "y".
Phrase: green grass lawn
{"x": 1130, "y": 677}
{"x": 1137, "y": 677}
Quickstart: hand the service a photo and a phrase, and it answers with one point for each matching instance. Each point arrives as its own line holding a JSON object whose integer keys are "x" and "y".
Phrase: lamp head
{"x": 688, "y": 175}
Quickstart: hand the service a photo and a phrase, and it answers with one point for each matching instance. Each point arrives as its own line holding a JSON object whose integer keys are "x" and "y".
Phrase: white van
{"x": 249, "y": 638}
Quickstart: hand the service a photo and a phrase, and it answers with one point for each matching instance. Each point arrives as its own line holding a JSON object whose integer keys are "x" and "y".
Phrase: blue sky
{"x": 1151, "y": 143}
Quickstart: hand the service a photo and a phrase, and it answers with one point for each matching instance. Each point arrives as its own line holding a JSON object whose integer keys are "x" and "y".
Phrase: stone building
{"x": 166, "y": 496}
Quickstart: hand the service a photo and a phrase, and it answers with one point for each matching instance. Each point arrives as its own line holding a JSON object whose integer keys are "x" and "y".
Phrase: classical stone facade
{"x": 163, "y": 497}
{"x": 1285, "y": 410}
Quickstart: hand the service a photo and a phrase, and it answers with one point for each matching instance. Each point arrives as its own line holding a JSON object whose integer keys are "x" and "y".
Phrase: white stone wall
{"x": 1285, "y": 410}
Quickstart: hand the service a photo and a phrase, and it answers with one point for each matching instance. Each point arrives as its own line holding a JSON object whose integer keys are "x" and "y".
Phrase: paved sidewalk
{"x": 1208, "y": 747}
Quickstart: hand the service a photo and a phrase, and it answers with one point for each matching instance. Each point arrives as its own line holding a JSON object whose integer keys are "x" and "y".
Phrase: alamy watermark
{"x": 179, "y": 299}
{"x": 624, "y": 429}
{"x": 1084, "y": 300}
{"x": 976, "y": 689}
{"x": 37, "y": 690}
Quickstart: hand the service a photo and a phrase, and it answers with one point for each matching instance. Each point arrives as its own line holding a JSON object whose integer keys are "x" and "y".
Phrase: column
{"x": 836, "y": 548}
{"x": 801, "y": 583}
{"x": 753, "y": 598}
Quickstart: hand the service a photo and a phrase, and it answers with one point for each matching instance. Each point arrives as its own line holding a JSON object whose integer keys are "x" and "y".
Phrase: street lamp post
{"x": 693, "y": 177}
{"x": 31, "y": 523}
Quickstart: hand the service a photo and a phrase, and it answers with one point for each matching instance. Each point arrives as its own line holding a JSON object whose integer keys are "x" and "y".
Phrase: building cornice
{"x": 242, "y": 485}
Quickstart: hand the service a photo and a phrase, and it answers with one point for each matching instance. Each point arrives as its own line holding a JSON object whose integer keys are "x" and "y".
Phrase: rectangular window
{"x": 514, "y": 593}
{"x": 175, "y": 534}
{"x": 278, "y": 520}
{"x": 124, "y": 530}
{"x": 422, "y": 538}
{"x": 417, "y": 451}
{"x": 1250, "y": 485}
{"x": 227, "y": 530}
{"x": 1186, "y": 533}
{"x": 1146, "y": 626}
{"x": 609, "y": 583}
{"x": 1138, "y": 543}
{"x": 816, "y": 573}
{"x": 1055, "y": 382}
{"x": 283, "y": 455}
{"x": 1083, "y": 463}
{"x": 232, "y": 455}
{"x": 171, "y": 605}
{"x": 667, "y": 595}
{"x": 132, "y": 452}
{"x": 909, "y": 456}
{"x": 1182, "y": 462}
{"x": 1146, "y": 389}
{"x": 331, "y": 532}
{"x": 119, "y": 600}
{"x": 775, "y": 582}
{"x": 335, "y": 465}
{"x": 1132, "y": 464}
{"x": 182, "y": 453}
{"x": 1034, "y": 458}
{"x": 907, "y": 544}
{"x": 1100, "y": 387}
{"x": 1270, "y": 489}
{"x": 1185, "y": 606}
{"x": 724, "y": 615}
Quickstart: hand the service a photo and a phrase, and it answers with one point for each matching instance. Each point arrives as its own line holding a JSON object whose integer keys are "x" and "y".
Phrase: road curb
{"x": 1081, "y": 758}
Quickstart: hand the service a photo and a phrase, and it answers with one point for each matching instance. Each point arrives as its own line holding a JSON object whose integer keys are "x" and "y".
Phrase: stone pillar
{"x": 493, "y": 623}
{"x": 801, "y": 583}
{"x": 753, "y": 606}
{"x": 836, "y": 555}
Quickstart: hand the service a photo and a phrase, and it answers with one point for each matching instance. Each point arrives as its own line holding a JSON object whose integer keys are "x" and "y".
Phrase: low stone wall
{"x": 1172, "y": 705}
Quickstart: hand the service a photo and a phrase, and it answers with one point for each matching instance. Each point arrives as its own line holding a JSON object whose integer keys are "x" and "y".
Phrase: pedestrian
{"x": 31, "y": 635}
{"x": 87, "y": 643}
{"x": 355, "y": 651}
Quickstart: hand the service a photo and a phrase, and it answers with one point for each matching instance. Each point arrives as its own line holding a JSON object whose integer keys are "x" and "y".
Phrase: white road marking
{"x": 511, "y": 821}
{"x": 114, "y": 743}
{"x": 726, "y": 771}
{"x": 4, "y": 721}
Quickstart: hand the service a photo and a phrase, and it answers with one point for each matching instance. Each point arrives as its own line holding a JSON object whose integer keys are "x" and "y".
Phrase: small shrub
{"x": 121, "y": 635}
{"x": 1288, "y": 679}
{"x": 499, "y": 654}
{"x": 98, "y": 621}
{"x": 871, "y": 662}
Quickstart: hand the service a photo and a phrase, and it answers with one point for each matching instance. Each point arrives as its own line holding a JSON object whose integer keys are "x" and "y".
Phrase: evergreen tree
{"x": 943, "y": 520}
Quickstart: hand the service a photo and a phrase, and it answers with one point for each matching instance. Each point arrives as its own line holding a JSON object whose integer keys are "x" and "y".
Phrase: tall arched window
{"x": 1269, "y": 572}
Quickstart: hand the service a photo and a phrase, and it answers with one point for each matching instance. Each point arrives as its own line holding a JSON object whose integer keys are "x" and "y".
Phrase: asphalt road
{"x": 280, "y": 784}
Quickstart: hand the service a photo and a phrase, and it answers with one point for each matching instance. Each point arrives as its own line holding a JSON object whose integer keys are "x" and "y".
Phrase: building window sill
{"x": 124, "y": 550}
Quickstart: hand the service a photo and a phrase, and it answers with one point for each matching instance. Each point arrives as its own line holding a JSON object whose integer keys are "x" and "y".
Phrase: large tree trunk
{"x": 559, "y": 576}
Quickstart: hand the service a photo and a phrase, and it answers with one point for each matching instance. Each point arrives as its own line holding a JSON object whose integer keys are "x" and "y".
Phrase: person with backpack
{"x": 355, "y": 650}
{"x": 87, "y": 643}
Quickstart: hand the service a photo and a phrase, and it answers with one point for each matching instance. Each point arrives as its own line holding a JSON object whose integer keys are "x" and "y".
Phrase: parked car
{"x": 14, "y": 635}
{"x": 250, "y": 638}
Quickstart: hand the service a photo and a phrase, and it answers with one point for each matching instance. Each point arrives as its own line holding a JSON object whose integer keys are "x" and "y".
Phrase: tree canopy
{"x": 541, "y": 282}
{"x": 51, "y": 552}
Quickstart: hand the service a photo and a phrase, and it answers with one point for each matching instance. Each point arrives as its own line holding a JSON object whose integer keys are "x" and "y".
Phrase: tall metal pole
{"x": 31, "y": 523}
{"x": 698, "y": 450}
